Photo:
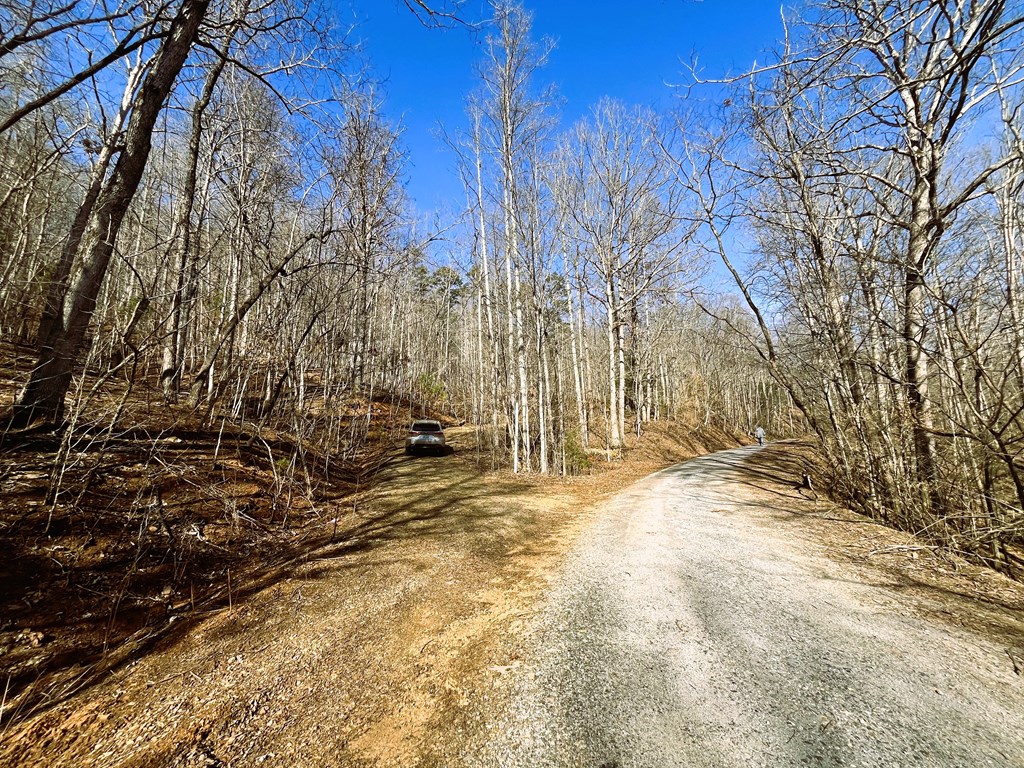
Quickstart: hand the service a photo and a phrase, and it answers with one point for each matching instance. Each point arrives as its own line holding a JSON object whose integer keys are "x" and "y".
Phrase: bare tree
{"x": 622, "y": 201}
{"x": 61, "y": 337}
{"x": 514, "y": 120}
{"x": 871, "y": 202}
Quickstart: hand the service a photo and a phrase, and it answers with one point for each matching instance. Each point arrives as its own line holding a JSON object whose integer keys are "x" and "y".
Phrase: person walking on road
{"x": 759, "y": 434}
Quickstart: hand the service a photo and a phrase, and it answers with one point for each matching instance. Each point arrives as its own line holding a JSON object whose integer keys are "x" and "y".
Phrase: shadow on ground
{"x": 936, "y": 582}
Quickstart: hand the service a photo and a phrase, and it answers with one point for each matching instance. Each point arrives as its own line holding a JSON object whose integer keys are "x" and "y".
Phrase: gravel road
{"x": 686, "y": 630}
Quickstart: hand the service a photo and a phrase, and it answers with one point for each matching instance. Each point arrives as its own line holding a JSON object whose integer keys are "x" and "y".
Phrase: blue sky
{"x": 625, "y": 50}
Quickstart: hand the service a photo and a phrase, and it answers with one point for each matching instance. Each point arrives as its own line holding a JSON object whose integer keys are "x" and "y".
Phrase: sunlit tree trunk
{"x": 62, "y": 339}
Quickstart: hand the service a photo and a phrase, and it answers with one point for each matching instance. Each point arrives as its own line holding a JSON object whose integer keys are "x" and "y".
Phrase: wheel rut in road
{"x": 690, "y": 627}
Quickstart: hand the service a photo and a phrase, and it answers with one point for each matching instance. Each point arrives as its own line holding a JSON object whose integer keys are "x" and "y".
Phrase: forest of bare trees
{"x": 202, "y": 210}
{"x": 880, "y": 179}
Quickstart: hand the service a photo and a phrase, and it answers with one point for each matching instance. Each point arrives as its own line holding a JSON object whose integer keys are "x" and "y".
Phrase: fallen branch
{"x": 902, "y": 548}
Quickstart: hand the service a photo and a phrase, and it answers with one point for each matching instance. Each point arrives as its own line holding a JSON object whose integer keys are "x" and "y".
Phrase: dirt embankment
{"x": 350, "y": 652}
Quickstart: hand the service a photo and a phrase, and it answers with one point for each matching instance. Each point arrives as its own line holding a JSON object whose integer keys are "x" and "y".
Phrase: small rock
{"x": 31, "y": 638}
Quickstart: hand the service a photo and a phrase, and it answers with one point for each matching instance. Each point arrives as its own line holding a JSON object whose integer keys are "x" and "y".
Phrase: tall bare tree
{"x": 62, "y": 333}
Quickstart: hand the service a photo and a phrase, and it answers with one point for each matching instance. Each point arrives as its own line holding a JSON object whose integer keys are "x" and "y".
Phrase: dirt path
{"x": 414, "y": 638}
{"x": 695, "y": 624}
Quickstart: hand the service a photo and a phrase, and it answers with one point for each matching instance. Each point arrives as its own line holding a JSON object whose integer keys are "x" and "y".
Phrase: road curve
{"x": 686, "y": 630}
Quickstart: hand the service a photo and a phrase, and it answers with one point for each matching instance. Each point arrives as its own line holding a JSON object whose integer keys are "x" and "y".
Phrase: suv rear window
{"x": 426, "y": 426}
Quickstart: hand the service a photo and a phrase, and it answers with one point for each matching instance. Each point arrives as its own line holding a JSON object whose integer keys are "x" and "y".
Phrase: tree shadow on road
{"x": 933, "y": 581}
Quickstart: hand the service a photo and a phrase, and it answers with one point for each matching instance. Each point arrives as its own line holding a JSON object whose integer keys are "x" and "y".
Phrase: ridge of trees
{"x": 881, "y": 182}
{"x": 231, "y": 230}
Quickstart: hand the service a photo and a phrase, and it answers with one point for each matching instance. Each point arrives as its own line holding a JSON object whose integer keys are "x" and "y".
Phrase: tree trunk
{"x": 524, "y": 384}
{"x": 577, "y": 365}
{"x": 614, "y": 428}
{"x": 920, "y": 244}
{"x": 170, "y": 372}
{"x": 62, "y": 340}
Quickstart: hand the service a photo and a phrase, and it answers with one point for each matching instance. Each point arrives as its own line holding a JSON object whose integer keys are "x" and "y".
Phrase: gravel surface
{"x": 686, "y": 630}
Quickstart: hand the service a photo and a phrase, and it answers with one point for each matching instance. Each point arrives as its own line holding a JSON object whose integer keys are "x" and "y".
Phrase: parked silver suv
{"x": 425, "y": 433}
